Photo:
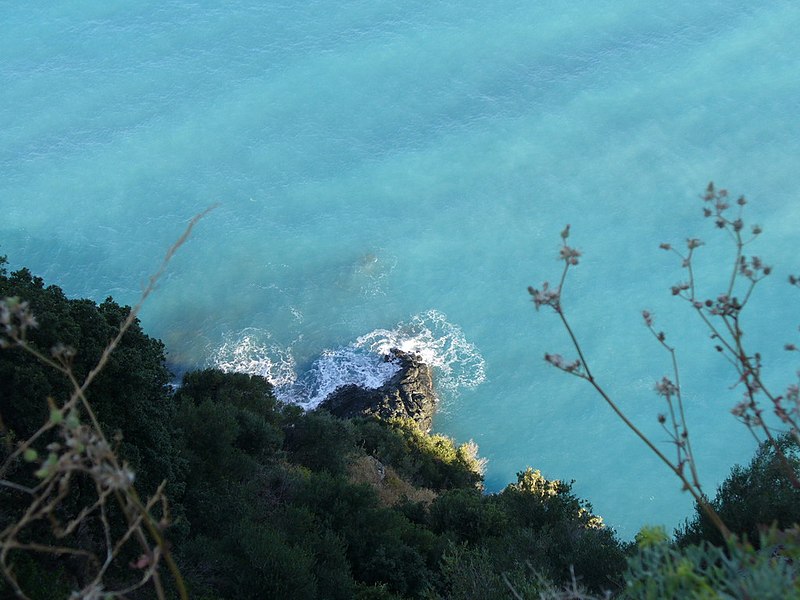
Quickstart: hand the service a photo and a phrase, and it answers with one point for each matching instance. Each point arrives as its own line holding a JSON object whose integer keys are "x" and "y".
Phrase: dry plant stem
{"x": 511, "y": 588}
{"x": 151, "y": 285}
{"x": 16, "y": 486}
{"x": 732, "y": 343}
{"x": 685, "y": 438}
{"x": 132, "y": 508}
{"x": 754, "y": 372}
{"x": 580, "y": 368}
{"x": 787, "y": 466}
{"x": 107, "y": 535}
{"x": 742, "y": 360}
{"x": 677, "y": 470}
{"x": 45, "y": 549}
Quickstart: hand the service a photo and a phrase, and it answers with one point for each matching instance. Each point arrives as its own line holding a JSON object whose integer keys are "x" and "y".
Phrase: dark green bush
{"x": 320, "y": 442}
{"x": 264, "y": 497}
{"x": 751, "y": 498}
{"x": 130, "y": 396}
{"x": 467, "y": 516}
{"x": 430, "y": 461}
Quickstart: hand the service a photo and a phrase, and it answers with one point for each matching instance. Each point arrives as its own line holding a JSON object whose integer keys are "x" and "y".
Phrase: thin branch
{"x": 16, "y": 486}
{"x": 54, "y": 487}
{"x": 687, "y": 485}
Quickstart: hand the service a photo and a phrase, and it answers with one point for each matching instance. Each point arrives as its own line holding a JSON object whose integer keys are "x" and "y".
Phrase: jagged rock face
{"x": 409, "y": 393}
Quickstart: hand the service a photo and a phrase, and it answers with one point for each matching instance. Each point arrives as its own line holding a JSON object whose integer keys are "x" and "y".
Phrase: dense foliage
{"x": 281, "y": 503}
{"x": 268, "y": 501}
{"x": 129, "y": 394}
{"x": 736, "y": 571}
{"x": 751, "y": 498}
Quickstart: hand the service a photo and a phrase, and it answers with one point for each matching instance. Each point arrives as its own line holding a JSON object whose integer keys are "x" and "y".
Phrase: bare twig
{"x": 86, "y": 451}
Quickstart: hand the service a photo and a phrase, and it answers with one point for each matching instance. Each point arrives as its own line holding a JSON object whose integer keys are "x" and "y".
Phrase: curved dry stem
{"x": 54, "y": 487}
{"x": 676, "y": 469}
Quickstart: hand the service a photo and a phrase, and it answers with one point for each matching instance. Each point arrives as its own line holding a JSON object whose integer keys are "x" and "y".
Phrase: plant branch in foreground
{"x": 79, "y": 451}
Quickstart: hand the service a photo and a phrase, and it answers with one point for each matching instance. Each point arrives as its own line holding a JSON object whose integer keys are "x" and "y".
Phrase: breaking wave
{"x": 456, "y": 362}
{"x": 251, "y": 351}
{"x": 334, "y": 369}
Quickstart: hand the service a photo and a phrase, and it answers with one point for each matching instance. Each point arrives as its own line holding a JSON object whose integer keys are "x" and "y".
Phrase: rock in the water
{"x": 409, "y": 393}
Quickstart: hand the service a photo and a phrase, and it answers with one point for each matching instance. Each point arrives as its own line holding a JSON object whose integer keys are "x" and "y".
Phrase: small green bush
{"x": 660, "y": 570}
{"x": 750, "y": 498}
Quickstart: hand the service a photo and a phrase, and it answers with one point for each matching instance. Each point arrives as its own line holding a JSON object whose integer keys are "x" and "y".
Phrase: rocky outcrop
{"x": 408, "y": 393}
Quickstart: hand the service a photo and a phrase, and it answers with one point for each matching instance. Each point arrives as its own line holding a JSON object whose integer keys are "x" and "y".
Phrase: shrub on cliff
{"x": 738, "y": 571}
{"x": 467, "y": 516}
{"x": 229, "y": 425}
{"x": 263, "y": 496}
{"x": 428, "y": 460}
{"x": 320, "y": 442}
{"x": 556, "y": 534}
{"x": 69, "y": 494}
{"x": 130, "y": 395}
{"x": 751, "y": 498}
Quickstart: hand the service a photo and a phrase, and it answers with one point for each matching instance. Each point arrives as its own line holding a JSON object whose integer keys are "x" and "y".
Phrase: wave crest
{"x": 348, "y": 365}
{"x": 441, "y": 344}
{"x": 456, "y": 362}
{"x": 251, "y": 352}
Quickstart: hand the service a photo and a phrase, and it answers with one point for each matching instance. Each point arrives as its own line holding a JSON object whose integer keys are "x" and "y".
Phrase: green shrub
{"x": 661, "y": 571}
{"x": 469, "y": 573}
{"x": 750, "y": 498}
{"x": 130, "y": 395}
{"x": 467, "y": 516}
{"x": 272, "y": 568}
{"x": 320, "y": 442}
{"x": 427, "y": 460}
{"x": 558, "y": 534}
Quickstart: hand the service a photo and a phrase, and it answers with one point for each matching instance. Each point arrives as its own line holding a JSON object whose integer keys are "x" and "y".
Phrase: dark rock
{"x": 409, "y": 393}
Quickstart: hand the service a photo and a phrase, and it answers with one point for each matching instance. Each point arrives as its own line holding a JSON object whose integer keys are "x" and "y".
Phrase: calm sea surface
{"x": 397, "y": 173}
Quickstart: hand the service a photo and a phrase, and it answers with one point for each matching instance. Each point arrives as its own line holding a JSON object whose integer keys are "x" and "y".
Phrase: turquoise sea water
{"x": 398, "y": 173}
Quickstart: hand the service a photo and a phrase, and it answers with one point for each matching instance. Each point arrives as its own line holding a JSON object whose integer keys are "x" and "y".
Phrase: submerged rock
{"x": 408, "y": 393}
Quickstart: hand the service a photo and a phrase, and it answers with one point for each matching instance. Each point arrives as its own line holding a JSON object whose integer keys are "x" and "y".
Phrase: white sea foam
{"x": 442, "y": 345}
{"x": 456, "y": 362}
{"x": 334, "y": 369}
{"x": 251, "y": 351}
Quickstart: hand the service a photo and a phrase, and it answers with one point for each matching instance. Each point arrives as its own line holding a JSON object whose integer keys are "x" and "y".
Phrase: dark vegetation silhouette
{"x": 114, "y": 485}
{"x": 265, "y": 500}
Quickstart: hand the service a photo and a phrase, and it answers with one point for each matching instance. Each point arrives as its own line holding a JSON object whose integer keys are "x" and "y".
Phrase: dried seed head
{"x": 693, "y": 243}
